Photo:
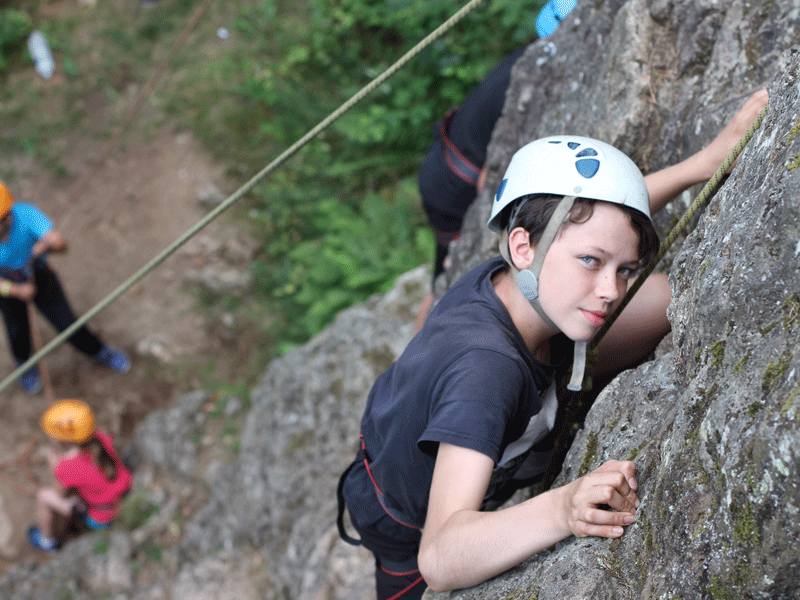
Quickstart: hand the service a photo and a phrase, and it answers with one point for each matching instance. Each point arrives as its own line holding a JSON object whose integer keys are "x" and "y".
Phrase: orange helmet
{"x": 69, "y": 421}
{"x": 6, "y": 200}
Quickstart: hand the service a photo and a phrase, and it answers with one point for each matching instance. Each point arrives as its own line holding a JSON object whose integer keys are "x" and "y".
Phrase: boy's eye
{"x": 590, "y": 260}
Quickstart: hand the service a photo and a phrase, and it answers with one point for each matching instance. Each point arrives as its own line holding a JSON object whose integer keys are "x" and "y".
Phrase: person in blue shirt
{"x": 26, "y": 235}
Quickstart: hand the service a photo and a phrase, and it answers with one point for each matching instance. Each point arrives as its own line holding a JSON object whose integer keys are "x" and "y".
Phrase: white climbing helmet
{"x": 570, "y": 165}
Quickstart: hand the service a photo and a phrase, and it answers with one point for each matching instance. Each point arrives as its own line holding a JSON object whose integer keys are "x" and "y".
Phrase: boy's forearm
{"x": 474, "y": 546}
{"x": 666, "y": 184}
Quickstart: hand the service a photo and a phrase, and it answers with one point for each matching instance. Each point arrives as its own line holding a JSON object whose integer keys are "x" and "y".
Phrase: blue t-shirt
{"x": 28, "y": 225}
{"x": 467, "y": 378}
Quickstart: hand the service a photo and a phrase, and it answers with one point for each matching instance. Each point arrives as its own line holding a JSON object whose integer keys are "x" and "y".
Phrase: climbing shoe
{"x": 37, "y": 540}
{"x": 113, "y": 359}
{"x": 30, "y": 380}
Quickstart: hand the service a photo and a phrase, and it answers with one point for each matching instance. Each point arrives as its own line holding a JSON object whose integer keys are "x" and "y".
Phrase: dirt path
{"x": 145, "y": 196}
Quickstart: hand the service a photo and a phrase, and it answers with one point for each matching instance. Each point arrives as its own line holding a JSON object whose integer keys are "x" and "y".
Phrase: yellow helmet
{"x": 6, "y": 200}
{"x": 69, "y": 421}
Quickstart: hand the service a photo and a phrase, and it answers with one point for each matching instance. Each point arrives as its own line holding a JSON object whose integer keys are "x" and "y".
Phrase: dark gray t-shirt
{"x": 468, "y": 379}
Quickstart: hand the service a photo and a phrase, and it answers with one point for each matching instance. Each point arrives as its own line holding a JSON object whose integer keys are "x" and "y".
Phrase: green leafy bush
{"x": 345, "y": 254}
{"x": 15, "y": 26}
{"x": 341, "y": 45}
{"x": 324, "y": 217}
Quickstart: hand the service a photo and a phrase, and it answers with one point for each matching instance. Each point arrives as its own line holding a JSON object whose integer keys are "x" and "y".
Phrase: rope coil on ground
{"x": 228, "y": 202}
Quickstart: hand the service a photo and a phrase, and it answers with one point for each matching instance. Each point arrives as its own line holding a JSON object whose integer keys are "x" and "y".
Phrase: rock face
{"x": 713, "y": 425}
{"x": 235, "y": 497}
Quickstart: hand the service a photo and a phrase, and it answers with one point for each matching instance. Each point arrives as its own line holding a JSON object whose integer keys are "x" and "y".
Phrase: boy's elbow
{"x": 426, "y": 561}
{"x": 431, "y": 570}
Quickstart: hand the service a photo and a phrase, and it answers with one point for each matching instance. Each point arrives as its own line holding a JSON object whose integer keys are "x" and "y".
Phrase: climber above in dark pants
{"x": 26, "y": 235}
{"x": 450, "y": 175}
{"x": 448, "y": 179}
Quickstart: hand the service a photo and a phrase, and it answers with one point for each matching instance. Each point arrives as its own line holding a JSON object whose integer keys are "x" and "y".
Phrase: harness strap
{"x": 458, "y": 163}
{"x": 340, "y": 499}
{"x": 528, "y": 280}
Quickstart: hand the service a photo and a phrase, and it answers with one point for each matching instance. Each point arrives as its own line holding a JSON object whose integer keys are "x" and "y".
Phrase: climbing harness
{"x": 230, "y": 200}
{"x": 458, "y": 163}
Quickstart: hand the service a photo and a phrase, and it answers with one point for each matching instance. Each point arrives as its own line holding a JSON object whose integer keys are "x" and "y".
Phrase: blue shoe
{"x": 37, "y": 540}
{"x": 30, "y": 380}
{"x": 113, "y": 359}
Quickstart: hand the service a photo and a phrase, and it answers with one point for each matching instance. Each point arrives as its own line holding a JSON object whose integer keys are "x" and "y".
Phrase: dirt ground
{"x": 144, "y": 197}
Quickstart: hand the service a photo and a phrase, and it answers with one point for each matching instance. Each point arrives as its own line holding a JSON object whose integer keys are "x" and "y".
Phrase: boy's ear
{"x": 520, "y": 249}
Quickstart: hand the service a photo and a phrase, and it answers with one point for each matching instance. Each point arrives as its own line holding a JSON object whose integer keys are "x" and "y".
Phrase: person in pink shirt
{"x": 90, "y": 478}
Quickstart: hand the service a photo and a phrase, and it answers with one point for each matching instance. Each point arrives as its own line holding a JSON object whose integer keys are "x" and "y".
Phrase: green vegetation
{"x": 745, "y": 525}
{"x": 136, "y": 509}
{"x": 742, "y": 362}
{"x": 717, "y": 354}
{"x": 342, "y": 219}
{"x": 15, "y": 25}
{"x": 787, "y": 405}
{"x": 792, "y": 317}
{"x": 634, "y": 452}
{"x": 718, "y": 590}
{"x": 589, "y": 455}
{"x": 103, "y": 543}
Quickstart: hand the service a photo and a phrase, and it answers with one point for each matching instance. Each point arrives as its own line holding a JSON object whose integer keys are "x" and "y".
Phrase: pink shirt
{"x": 101, "y": 495}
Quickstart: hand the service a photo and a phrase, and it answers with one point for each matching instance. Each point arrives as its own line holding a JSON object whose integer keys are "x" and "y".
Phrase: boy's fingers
{"x": 606, "y": 531}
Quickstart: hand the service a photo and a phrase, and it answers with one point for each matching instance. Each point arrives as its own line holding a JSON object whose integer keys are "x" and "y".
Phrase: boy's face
{"x": 586, "y": 271}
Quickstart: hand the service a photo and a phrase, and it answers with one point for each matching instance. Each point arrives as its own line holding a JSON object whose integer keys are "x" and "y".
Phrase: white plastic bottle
{"x": 40, "y": 52}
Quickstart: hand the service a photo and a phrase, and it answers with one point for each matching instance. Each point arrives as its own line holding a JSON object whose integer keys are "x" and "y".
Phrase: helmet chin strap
{"x": 528, "y": 281}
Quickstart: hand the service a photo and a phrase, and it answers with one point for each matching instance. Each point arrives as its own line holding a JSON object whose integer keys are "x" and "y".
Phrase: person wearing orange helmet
{"x": 90, "y": 477}
{"x": 26, "y": 236}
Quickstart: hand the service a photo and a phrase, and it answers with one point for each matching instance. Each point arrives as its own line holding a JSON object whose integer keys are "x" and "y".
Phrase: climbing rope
{"x": 574, "y": 410}
{"x": 228, "y": 202}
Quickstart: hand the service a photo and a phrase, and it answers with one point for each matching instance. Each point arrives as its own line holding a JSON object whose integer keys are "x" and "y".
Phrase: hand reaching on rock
{"x": 602, "y": 502}
{"x": 718, "y": 150}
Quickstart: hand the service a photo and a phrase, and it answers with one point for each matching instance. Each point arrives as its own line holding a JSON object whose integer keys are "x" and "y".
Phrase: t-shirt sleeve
{"x": 475, "y": 400}
{"x": 34, "y": 219}
{"x": 67, "y": 472}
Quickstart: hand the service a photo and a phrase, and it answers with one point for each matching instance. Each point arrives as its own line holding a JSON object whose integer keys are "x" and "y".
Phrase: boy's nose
{"x": 607, "y": 287}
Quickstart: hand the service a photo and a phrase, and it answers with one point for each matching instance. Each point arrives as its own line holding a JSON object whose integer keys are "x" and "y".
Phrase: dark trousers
{"x": 398, "y": 584}
{"x": 394, "y": 545}
{"x": 53, "y": 304}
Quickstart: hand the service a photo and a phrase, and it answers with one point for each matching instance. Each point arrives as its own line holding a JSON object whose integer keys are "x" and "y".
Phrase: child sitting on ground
{"x": 90, "y": 477}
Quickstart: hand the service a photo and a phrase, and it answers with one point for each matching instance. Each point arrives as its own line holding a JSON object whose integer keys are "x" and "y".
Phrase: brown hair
{"x": 101, "y": 457}
{"x": 537, "y": 209}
